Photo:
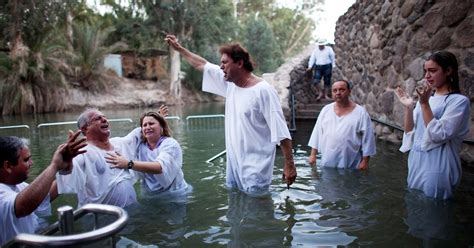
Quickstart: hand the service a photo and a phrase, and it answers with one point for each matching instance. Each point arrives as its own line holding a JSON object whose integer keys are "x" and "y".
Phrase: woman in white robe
{"x": 159, "y": 158}
{"x": 435, "y": 128}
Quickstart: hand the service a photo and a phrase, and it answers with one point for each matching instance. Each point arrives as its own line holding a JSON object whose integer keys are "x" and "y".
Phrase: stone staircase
{"x": 310, "y": 111}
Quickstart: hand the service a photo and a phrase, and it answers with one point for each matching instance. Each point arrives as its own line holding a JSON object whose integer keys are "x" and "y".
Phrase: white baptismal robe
{"x": 170, "y": 157}
{"x": 95, "y": 181}
{"x": 10, "y": 225}
{"x": 254, "y": 125}
{"x": 434, "y": 165}
{"x": 343, "y": 140}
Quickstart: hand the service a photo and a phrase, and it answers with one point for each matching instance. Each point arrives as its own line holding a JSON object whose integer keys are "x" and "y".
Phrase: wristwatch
{"x": 130, "y": 165}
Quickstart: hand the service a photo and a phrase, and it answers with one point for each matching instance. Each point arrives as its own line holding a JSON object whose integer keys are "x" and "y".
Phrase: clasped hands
{"x": 424, "y": 92}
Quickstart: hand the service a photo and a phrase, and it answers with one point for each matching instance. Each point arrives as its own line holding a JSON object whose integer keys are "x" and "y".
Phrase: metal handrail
{"x": 204, "y": 116}
{"x": 15, "y": 126}
{"x": 216, "y": 156}
{"x": 293, "y": 113}
{"x": 76, "y": 239}
{"x": 75, "y": 122}
{"x": 172, "y": 118}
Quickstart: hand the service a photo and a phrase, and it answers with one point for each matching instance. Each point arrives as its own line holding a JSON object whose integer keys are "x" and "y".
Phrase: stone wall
{"x": 381, "y": 44}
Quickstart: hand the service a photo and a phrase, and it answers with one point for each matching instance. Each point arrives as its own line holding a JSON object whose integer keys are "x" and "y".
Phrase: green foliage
{"x": 88, "y": 56}
{"x": 261, "y": 44}
{"x": 43, "y": 53}
{"x": 33, "y": 73}
{"x": 199, "y": 25}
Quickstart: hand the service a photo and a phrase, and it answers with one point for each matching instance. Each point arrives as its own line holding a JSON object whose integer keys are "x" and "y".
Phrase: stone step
{"x": 310, "y": 111}
{"x": 305, "y": 118}
{"x": 307, "y": 114}
{"x": 318, "y": 105}
{"x": 310, "y": 106}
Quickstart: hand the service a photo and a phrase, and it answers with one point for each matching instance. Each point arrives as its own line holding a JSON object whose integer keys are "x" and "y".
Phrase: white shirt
{"x": 343, "y": 140}
{"x": 434, "y": 166}
{"x": 254, "y": 125}
{"x": 10, "y": 225}
{"x": 170, "y": 156}
{"x": 322, "y": 57}
{"x": 95, "y": 182}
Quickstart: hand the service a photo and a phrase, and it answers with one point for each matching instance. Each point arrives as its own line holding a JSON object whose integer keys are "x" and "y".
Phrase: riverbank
{"x": 130, "y": 93}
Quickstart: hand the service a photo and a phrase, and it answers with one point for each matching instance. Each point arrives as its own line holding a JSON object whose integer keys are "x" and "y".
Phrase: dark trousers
{"x": 322, "y": 71}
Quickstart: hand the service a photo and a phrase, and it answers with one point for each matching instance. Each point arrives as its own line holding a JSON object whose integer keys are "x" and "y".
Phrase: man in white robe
{"x": 21, "y": 203}
{"x": 254, "y": 122}
{"x": 343, "y": 133}
{"x": 91, "y": 178}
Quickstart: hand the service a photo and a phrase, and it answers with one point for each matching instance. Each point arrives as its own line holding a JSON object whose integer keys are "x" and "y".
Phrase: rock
{"x": 416, "y": 68}
{"x": 407, "y": 8}
{"x": 441, "y": 40}
{"x": 464, "y": 33}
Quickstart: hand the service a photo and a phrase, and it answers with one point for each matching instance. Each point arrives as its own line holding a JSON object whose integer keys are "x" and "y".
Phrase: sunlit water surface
{"x": 325, "y": 207}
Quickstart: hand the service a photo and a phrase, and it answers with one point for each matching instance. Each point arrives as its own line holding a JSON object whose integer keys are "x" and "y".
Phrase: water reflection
{"x": 307, "y": 206}
{"x": 157, "y": 220}
{"x": 428, "y": 219}
{"x": 325, "y": 207}
{"x": 252, "y": 221}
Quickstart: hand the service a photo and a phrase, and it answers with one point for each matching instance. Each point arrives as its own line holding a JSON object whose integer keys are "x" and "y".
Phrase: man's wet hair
{"x": 236, "y": 52}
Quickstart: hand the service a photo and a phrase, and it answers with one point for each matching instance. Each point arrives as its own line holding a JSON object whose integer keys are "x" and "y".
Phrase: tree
{"x": 31, "y": 69}
{"x": 199, "y": 25}
{"x": 292, "y": 28}
{"x": 34, "y": 66}
{"x": 87, "y": 59}
{"x": 262, "y": 45}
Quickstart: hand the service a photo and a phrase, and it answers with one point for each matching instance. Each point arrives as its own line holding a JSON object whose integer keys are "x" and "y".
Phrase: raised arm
{"x": 195, "y": 60}
{"x": 409, "y": 104}
{"x": 31, "y": 197}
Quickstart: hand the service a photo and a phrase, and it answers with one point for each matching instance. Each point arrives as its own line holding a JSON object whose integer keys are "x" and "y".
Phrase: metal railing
{"x": 172, "y": 118}
{"x": 64, "y": 226}
{"x": 209, "y": 122}
{"x": 216, "y": 156}
{"x": 191, "y": 117}
{"x": 75, "y": 122}
{"x": 293, "y": 113}
{"x": 15, "y": 126}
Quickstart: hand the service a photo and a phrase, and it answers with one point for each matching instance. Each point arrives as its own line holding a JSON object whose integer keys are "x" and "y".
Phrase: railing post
{"x": 66, "y": 220}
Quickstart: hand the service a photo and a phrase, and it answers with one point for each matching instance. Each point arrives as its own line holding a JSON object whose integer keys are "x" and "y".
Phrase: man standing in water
{"x": 20, "y": 202}
{"x": 254, "y": 122}
{"x": 92, "y": 178}
{"x": 343, "y": 132}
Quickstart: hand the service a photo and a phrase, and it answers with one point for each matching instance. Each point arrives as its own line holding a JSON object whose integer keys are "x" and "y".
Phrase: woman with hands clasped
{"x": 435, "y": 127}
{"x": 159, "y": 157}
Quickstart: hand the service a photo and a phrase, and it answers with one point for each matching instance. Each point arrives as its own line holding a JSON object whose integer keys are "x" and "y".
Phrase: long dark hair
{"x": 447, "y": 60}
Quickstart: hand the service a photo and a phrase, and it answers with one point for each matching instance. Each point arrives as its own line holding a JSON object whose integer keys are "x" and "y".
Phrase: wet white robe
{"x": 94, "y": 181}
{"x": 10, "y": 225}
{"x": 434, "y": 166}
{"x": 343, "y": 140}
{"x": 254, "y": 125}
{"x": 170, "y": 156}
